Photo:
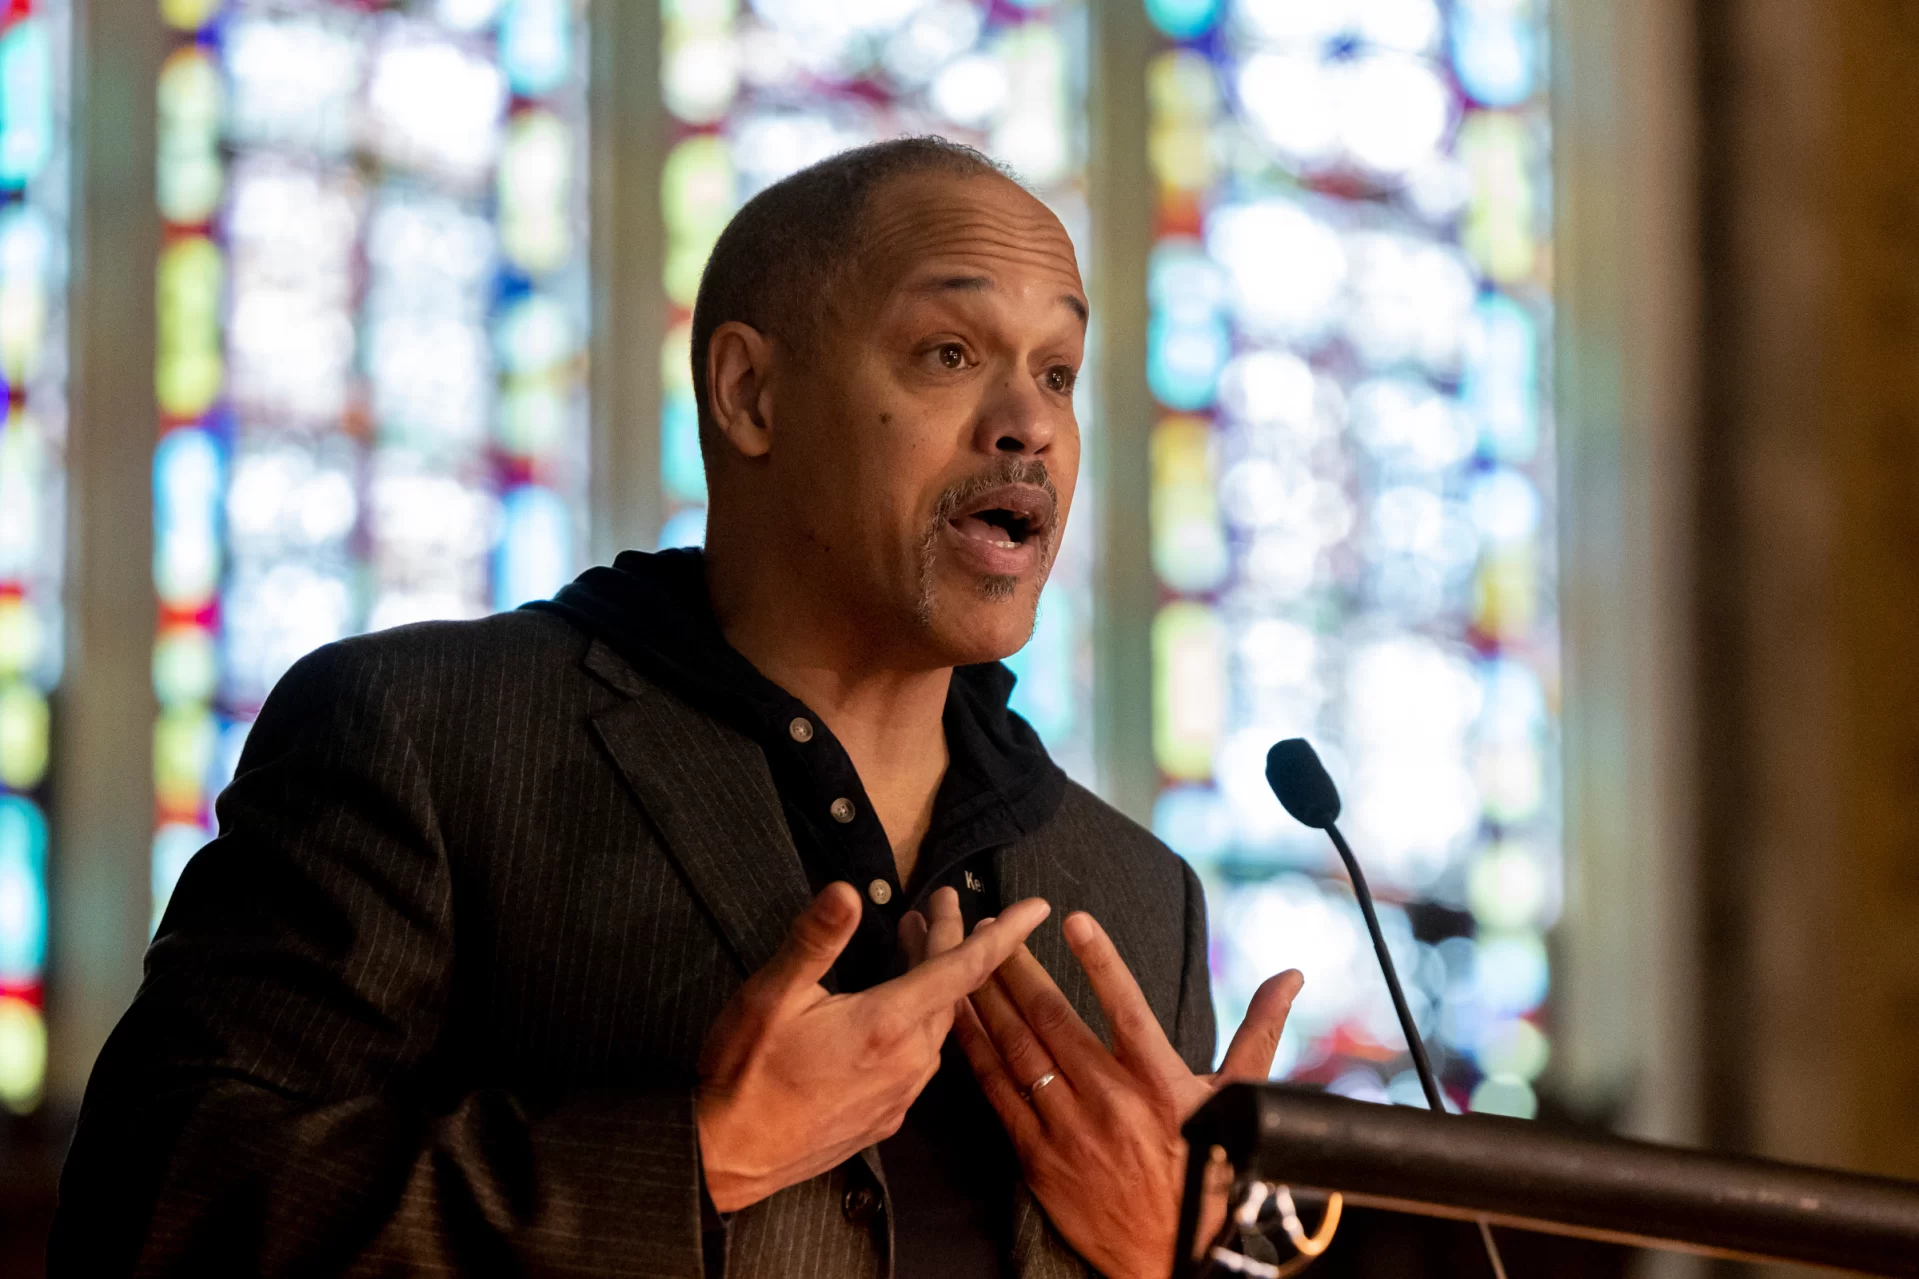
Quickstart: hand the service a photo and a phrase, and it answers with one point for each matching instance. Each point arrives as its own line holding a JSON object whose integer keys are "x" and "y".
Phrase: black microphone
{"x": 1307, "y": 792}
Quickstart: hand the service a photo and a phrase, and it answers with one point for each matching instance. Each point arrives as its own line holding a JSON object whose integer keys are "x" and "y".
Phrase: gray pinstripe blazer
{"x": 433, "y": 1000}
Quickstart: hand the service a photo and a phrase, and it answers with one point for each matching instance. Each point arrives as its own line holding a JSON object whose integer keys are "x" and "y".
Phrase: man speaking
{"x": 716, "y": 917}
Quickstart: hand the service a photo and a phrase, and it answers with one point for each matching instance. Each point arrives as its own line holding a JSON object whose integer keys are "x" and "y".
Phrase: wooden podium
{"x": 1516, "y": 1173}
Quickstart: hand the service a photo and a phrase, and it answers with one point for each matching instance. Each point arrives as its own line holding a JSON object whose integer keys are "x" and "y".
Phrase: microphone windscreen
{"x": 1294, "y": 772}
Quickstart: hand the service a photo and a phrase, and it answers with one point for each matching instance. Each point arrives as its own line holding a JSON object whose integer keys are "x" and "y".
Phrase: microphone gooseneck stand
{"x": 1421, "y": 1063}
{"x": 1305, "y": 790}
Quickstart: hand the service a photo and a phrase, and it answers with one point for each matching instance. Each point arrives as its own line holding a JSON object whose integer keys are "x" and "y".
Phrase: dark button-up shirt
{"x": 949, "y": 1169}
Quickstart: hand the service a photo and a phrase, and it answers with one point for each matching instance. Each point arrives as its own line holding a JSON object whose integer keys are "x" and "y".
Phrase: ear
{"x": 739, "y": 367}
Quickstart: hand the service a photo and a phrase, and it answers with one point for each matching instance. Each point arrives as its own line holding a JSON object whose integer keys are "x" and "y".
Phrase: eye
{"x": 1059, "y": 379}
{"x": 951, "y": 355}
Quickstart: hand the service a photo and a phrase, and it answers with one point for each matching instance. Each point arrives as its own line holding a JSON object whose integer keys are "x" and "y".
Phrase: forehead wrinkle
{"x": 955, "y": 226}
{"x": 919, "y": 236}
{"x": 956, "y": 268}
{"x": 960, "y": 238}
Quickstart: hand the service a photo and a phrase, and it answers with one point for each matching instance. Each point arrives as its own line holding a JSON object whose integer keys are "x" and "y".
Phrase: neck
{"x": 888, "y": 715}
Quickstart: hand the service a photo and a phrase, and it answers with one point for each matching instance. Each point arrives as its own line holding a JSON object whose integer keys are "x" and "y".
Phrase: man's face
{"x": 927, "y": 437}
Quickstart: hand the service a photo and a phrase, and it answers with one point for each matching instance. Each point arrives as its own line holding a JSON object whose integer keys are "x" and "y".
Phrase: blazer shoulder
{"x": 447, "y": 649}
{"x": 438, "y": 670}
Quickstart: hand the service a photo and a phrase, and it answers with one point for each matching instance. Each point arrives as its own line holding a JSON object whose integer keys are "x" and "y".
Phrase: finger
{"x": 1003, "y": 1092}
{"x": 1068, "y": 1040}
{"x": 913, "y": 938}
{"x": 814, "y": 942}
{"x": 946, "y": 928}
{"x": 1138, "y": 1038}
{"x": 1013, "y": 1040}
{"x": 960, "y": 971}
{"x": 1250, "y": 1057}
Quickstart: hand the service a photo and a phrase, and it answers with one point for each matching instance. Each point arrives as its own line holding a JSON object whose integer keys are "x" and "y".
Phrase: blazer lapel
{"x": 710, "y": 795}
{"x": 1028, "y": 871}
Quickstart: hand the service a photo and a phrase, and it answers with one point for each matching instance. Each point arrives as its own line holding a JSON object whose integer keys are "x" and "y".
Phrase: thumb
{"x": 1250, "y": 1058}
{"x": 813, "y": 942}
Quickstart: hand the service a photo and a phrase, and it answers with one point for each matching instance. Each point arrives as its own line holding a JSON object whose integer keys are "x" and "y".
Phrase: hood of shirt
{"x": 654, "y": 610}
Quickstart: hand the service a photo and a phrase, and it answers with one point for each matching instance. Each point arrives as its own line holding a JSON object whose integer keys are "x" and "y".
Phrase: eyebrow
{"x": 984, "y": 284}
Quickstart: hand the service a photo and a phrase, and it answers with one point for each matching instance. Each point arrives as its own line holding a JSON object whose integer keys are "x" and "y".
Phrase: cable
{"x": 1309, "y": 1247}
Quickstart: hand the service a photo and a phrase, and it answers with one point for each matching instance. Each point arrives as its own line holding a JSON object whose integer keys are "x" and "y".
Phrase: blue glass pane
{"x": 1046, "y": 695}
{"x": 26, "y": 102}
{"x": 682, "y": 471}
{"x": 23, "y": 891}
{"x": 1493, "y": 52}
{"x": 536, "y": 45}
{"x": 1183, "y": 19}
{"x": 535, "y": 558}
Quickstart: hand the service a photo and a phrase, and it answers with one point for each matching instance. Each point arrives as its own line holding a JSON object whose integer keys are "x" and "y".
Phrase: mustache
{"x": 1008, "y": 470}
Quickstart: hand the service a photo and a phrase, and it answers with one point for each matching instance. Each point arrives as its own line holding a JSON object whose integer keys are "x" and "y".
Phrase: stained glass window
{"x": 372, "y": 325}
{"x": 34, "y": 42}
{"x": 1352, "y": 512}
{"x": 760, "y": 90}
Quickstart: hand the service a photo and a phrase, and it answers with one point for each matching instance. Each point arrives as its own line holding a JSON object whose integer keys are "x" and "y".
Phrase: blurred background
{"x": 1518, "y": 398}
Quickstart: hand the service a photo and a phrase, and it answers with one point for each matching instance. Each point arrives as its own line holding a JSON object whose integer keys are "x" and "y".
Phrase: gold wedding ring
{"x": 1040, "y": 1083}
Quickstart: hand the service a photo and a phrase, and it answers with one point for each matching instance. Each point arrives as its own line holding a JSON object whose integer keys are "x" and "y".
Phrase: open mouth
{"x": 1001, "y": 527}
{"x": 1006, "y": 518}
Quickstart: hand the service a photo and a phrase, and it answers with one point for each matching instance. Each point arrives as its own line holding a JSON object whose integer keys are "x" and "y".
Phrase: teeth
{"x": 1008, "y": 545}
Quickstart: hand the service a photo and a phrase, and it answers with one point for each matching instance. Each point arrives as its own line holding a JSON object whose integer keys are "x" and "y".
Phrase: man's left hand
{"x": 1098, "y": 1132}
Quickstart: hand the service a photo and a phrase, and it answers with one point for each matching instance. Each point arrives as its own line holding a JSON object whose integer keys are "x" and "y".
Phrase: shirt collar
{"x": 653, "y": 609}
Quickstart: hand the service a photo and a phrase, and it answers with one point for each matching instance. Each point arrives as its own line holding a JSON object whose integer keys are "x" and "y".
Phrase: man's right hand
{"x": 794, "y": 1081}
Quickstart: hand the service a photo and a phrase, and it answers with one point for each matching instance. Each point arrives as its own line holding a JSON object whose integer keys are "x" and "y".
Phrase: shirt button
{"x": 801, "y": 729}
{"x": 880, "y": 891}
{"x": 859, "y": 1205}
{"x": 842, "y": 810}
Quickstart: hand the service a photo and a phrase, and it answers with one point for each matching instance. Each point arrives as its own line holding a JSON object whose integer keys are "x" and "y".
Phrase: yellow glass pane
{"x": 1182, "y": 157}
{"x": 1506, "y": 598}
{"x": 189, "y": 368}
{"x": 536, "y": 173}
{"x": 20, "y": 636}
{"x": 189, "y": 175}
{"x": 1188, "y": 541}
{"x": 1506, "y": 887}
{"x": 23, "y": 1054}
{"x": 676, "y": 359}
{"x": 24, "y": 464}
{"x": 1496, "y": 149}
{"x": 185, "y": 665}
{"x": 1182, "y": 88}
{"x": 1189, "y": 689}
{"x": 184, "y": 739}
{"x": 699, "y": 13}
{"x": 188, "y": 15}
{"x": 23, "y": 736}
{"x": 697, "y": 186}
{"x": 533, "y": 416}
{"x": 23, "y": 327}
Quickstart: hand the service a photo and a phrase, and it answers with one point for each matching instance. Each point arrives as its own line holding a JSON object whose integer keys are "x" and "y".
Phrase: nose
{"x": 1016, "y": 418}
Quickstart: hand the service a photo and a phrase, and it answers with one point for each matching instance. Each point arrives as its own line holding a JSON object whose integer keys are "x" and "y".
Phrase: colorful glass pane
{"x": 372, "y": 325}
{"x": 1352, "y": 513}
{"x": 759, "y": 90}
{"x": 34, "y": 97}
